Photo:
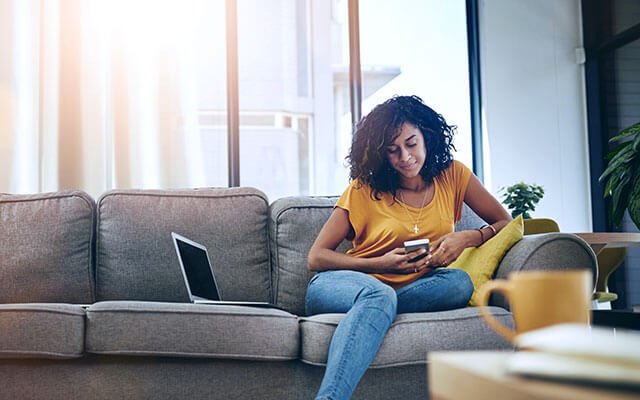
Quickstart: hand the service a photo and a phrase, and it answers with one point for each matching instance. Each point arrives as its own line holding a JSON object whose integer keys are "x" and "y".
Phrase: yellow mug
{"x": 539, "y": 299}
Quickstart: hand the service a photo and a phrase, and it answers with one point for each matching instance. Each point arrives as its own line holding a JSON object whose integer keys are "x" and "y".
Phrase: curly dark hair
{"x": 381, "y": 127}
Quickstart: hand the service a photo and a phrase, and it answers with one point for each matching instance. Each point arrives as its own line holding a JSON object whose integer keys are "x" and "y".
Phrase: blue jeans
{"x": 371, "y": 307}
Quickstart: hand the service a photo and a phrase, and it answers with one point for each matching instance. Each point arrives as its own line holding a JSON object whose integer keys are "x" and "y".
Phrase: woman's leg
{"x": 370, "y": 308}
{"x": 438, "y": 290}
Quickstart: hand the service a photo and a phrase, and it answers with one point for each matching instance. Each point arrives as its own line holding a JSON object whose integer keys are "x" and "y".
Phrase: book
{"x": 579, "y": 353}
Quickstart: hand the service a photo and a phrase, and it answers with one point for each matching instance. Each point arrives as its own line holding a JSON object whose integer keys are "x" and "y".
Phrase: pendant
{"x": 415, "y": 228}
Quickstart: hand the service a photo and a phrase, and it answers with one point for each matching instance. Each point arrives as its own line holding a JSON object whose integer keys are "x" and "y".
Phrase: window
{"x": 612, "y": 41}
{"x": 418, "y": 47}
{"x": 146, "y": 98}
{"x": 293, "y": 84}
{"x": 212, "y": 88}
{"x": 276, "y": 101}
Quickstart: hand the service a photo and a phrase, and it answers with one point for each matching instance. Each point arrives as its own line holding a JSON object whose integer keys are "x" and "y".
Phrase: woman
{"x": 405, "y": 185}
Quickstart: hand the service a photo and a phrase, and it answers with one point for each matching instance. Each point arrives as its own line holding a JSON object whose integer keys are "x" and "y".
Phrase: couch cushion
{"x": 46, "y": 247}
{"x": 412, "y": 335}
{"x": 469, "y": 219}
{"x": 136, "y": 259}
{"x": 294, "y": 223}
{"x": 192, "y": 330}
{"x": 41, "y": 330}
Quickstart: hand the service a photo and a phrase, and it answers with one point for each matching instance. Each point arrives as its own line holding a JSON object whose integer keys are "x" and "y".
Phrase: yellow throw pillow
{"x": 481, "y": 262}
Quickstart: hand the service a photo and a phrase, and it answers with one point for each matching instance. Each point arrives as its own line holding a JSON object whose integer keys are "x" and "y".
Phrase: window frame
{"x": 355, "y": 83}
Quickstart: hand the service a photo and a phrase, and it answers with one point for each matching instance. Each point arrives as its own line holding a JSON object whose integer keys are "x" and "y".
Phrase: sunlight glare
{"x": 155, "y": 24}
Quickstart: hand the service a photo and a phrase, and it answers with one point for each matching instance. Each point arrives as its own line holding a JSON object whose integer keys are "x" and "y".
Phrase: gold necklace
{"x": 415, "y": 224}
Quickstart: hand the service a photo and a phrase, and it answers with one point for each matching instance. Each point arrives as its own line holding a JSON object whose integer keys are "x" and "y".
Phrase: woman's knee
{"x": 462, "y": 284}
{"x": 381, "y": 296}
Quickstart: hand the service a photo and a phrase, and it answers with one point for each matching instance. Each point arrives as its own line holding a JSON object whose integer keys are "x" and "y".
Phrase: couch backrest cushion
{"x": 135, "y": 256}
{"x": 469, "y": 219}
{"x": 46, "y": 247}
{"x": 294, "y": 223}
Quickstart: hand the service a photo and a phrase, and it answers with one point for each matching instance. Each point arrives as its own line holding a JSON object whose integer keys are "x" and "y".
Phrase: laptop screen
{"x": 198, "y": 270}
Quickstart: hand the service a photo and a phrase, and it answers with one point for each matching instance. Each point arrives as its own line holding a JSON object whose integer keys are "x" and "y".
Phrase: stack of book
{"x": 579, "y": 353}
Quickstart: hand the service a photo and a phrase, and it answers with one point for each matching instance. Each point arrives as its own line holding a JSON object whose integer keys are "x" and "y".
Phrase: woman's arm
{"x": 486, "y": 206}
{"x": 323, "y": 255}
{"x": 447, "y": 249}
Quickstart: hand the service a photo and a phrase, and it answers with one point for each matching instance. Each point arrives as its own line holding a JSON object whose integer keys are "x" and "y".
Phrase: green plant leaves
{"x": 634, "y": 199}
{"x": 631, "y": 131}
{"x": 622, "y": 174}
{"x": 521, "y": 198}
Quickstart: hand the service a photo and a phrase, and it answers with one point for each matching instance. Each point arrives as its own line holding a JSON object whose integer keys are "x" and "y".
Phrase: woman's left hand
{"x": 448, "y": 248}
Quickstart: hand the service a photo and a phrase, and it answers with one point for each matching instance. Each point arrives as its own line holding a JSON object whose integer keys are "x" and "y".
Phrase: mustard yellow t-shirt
{"x": 383, "y": 225}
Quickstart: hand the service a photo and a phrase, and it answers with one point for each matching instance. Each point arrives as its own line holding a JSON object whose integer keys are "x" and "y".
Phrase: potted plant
{"x": 522, "y": 198}
{"x": 623, "y": 175}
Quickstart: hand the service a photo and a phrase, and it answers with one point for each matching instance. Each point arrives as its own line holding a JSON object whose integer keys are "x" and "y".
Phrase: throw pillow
{"x": 481, "y": 262}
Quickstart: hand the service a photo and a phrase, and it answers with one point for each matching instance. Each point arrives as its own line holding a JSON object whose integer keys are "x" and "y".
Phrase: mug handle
{"x": 505, "y": 288}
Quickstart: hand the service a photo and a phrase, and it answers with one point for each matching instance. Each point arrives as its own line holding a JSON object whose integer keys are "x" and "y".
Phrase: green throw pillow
{"x": 481, "y": 262}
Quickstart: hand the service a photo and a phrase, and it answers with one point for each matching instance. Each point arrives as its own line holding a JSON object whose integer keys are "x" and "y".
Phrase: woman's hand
{"x": 448, "y": 248}
{"x": 398, "y": 262}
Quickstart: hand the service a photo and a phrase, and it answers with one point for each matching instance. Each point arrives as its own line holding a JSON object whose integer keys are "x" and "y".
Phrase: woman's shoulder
{"x": 456, "y": 167}
{"x": 364, "y": 192}
{"x": 454, "y": 172}
{"x": 355, "y": 196}
{"x": 359, "y": 186}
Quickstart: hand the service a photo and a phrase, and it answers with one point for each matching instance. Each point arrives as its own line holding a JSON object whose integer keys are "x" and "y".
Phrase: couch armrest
{"x": 548, "y": 251}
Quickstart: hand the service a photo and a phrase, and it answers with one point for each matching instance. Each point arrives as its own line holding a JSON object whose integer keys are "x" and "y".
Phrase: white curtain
{"x": 98, "y": 94}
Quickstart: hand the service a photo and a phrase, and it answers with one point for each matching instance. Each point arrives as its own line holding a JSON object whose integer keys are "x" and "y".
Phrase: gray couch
{"x": 137, "y": 338}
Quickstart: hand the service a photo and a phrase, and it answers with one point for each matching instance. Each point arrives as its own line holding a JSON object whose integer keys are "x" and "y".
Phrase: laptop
{"x": 198, "y": 275}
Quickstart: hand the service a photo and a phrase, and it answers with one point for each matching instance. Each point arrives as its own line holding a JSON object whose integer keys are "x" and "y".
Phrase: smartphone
{"x": 413, "y": 245}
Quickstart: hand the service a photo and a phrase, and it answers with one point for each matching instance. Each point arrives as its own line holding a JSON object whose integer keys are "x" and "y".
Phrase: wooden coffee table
{"x": 602, "y": 240}
{"x": 481, "y": 376}
{"x": 606, "y": 240}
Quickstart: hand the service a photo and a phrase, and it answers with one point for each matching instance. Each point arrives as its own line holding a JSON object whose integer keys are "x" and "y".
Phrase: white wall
{"x": 534, "y": 104}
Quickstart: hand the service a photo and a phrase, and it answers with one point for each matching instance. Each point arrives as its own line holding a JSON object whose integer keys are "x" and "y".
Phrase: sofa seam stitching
{"x": 191, "y": 355}
{"x": 396, "y": 323}
{"x": 189, "y": 312}
{"x": 46, "y": 311}
{"x": 553, "y": 238}
{"x": 36, "y": 352}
